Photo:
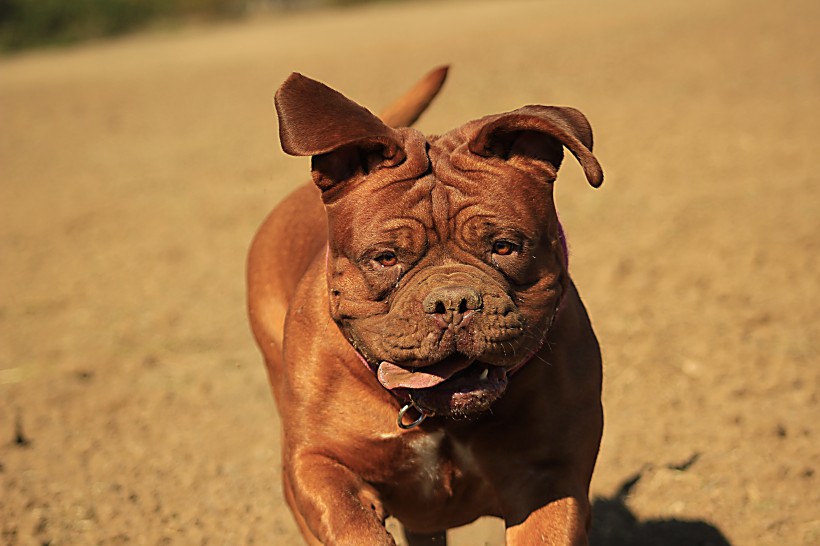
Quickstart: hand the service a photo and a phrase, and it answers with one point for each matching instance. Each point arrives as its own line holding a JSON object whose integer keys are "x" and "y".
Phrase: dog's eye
{"x": 504, "y": 248}
{"x": 387, "y": 259}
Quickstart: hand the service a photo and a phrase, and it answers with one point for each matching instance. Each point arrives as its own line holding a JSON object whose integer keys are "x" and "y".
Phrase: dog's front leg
{"x": 559, "y": 521}
{"x": 333, "y": 505}
{"x": 551, "y": 509}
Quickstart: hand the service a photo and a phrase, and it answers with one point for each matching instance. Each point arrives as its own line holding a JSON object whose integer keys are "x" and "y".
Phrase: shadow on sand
{"x": 613, "y": 524}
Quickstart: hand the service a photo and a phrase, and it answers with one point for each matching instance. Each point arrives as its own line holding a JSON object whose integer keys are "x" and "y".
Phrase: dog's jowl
{"x": 429, "y": 354}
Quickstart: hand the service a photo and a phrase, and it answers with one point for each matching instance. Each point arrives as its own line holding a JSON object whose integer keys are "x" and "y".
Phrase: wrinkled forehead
{"x": 466, "y": 175}
{"x": 436, "y": 191}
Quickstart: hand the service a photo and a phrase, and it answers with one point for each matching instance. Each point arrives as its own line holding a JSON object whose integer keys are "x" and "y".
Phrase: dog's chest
{"x": 434, "y": 464}
{"x": 444, "y": 476}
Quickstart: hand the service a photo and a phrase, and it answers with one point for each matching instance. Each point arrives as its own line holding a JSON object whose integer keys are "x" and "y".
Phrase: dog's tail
{"x": 407, "y": 109}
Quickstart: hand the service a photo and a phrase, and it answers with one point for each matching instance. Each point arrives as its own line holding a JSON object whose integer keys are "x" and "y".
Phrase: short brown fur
{"x": 449, "y": 210}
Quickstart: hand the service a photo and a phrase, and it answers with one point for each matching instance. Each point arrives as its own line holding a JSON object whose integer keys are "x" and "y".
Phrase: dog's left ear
{"x": 343, "y": 137}
{"x": 540, "y": 133}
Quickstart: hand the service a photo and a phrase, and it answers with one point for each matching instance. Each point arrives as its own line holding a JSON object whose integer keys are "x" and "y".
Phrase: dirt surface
{"x": 134, "y": 408}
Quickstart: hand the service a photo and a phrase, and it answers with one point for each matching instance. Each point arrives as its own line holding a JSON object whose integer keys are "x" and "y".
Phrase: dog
{"x": 430, "y": 356}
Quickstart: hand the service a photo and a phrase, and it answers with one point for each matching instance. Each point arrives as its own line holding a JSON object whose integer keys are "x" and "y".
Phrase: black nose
{"x": 451, "y": 302}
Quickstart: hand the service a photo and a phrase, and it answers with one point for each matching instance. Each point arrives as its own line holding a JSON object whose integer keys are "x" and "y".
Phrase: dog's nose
{"x": 449, "y": 304}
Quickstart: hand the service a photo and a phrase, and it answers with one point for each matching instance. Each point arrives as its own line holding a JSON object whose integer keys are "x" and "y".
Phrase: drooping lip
{"x": 468, "y": 393}
{"x": 393, "y": 376}
{"x": 457, "y": 386}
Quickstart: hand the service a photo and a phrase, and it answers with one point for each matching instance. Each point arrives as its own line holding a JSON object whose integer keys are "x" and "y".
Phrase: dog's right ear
{"x": 345, "y": 139}
{"x": 539, "y": 133}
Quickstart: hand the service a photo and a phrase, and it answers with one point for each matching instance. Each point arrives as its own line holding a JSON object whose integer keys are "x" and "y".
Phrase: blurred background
{"x": 34, "y": 23}
{"x": 139, "y": 153}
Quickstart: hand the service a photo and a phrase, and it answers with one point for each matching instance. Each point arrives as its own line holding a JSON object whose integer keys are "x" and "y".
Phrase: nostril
{"x": 447, "y": 300}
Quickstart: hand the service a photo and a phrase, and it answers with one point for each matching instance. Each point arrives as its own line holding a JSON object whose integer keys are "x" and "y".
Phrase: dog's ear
{"x": 344, "y": 138}
{"x": 539, "y": 132}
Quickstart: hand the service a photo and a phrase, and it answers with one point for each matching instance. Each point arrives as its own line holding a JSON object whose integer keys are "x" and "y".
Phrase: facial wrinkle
{"x": 441, "y": 212}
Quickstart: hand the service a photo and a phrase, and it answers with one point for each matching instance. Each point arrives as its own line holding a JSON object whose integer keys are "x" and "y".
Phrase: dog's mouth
{"x": 457, "y": 386}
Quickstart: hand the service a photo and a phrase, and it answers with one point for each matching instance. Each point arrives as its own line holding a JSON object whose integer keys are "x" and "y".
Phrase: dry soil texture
{"x": 134, "y": 407}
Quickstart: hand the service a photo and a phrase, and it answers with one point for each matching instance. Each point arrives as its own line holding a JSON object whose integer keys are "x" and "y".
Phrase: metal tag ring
{"x": 414, "y": 424}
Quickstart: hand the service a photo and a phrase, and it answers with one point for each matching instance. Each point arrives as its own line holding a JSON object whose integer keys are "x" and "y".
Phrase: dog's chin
{"x": 467, "y": 394}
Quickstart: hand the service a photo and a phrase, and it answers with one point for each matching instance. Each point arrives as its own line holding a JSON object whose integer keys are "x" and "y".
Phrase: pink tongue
{"x": 394, "y": 377}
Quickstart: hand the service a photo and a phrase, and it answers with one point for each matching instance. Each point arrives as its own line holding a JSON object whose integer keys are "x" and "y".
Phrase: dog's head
{"x": 446, "y": 261}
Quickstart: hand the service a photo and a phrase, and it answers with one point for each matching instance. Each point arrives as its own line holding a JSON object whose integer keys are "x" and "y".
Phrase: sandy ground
{"x": 134, "y": 408}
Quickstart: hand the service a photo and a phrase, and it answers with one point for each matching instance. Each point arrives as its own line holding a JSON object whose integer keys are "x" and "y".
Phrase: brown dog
{"x": 429, "y": 354}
